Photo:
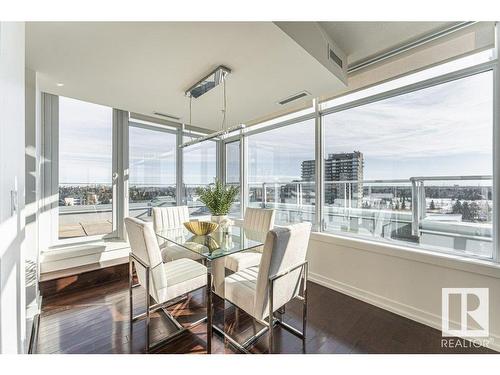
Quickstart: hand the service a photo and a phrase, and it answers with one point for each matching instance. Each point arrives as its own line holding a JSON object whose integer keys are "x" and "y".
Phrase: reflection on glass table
{"x": 213, "y": 248}
{"x": 217, "y": 244}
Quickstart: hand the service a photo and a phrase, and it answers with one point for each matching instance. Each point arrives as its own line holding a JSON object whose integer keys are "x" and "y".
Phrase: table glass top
{"x": 217, "y": 244}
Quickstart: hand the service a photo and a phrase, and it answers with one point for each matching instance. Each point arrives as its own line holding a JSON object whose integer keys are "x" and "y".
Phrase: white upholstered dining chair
{"x": 164, "y": 282}
{"x": 257, "y": 222}
{"x": 172, "y": 218}
{"x": 263, "y": 289}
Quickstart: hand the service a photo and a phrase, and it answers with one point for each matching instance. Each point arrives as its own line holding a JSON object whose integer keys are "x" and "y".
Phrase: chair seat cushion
{"x": 240, "y": 288}
{"x": 239, "y": 261}
{"x": 170, "y": 252}
{"x": 183, "y": 276}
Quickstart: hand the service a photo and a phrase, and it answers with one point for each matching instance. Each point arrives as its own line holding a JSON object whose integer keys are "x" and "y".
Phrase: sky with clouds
{"x": 442, "y": 130}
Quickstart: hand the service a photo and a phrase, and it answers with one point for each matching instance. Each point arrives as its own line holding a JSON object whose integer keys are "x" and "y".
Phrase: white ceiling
{"x": 361, "y": 40}
{"x": 145, "y": 67}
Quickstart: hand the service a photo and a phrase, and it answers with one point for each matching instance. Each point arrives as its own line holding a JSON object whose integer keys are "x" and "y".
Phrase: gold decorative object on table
{"x": 201, "y": 228}
{"x": 207, "y": 241}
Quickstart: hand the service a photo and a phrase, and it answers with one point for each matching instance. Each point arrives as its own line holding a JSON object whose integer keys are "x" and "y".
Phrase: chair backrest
{"x": 257, "y": 222}
{"x": 170, "y": 217}
{"x": 143, "y": 245}
{"x": 285, "y": 247}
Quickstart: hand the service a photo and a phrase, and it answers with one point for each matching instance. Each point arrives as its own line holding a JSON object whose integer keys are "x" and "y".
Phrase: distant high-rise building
{"x": 308, "y": 170}
{"x": 346, "y": 167}
{"x": 339, "y": 167}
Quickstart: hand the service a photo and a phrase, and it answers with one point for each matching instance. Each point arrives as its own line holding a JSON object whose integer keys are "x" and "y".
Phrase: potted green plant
{"x": 218, "y": 198}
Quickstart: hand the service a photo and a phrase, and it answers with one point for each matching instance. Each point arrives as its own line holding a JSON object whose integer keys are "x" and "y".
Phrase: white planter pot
{"x": 218, "y": 219}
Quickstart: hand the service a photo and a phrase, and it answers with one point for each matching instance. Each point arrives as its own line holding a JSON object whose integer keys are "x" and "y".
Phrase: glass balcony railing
{"x": 293, "y": 201}
{"x": 445, "y": 213}
{"x": 236, "y": 207}
{"x": 192, "y": 200}
{"x": 143, "y": 197}
{"x": 85, "y": 209}
{"x": 197, "y": 208}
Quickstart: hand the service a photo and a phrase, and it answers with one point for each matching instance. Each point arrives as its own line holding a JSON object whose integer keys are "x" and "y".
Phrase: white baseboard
{"x": 407, "y": 311}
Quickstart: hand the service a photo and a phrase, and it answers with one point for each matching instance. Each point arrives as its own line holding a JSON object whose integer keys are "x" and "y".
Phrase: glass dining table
{"x": 214, "y": 248}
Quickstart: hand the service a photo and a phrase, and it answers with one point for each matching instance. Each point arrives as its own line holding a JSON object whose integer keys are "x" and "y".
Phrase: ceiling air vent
{"x": 293, "y": 97}
{"x": 334, "y": 57}
{"x": 172, "y": 117}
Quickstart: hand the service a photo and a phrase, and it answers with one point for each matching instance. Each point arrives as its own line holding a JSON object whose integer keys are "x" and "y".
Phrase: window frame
{"x": 135, "y": 123}
{"x": 320, "y": 109}
{"x": 49, "y": 170}
{"x": 50, "y": 177}
{"x": 224, "y": 143}
{"x": 490, "y": 66}
{"x": 302, "y": 116}
{"x": 219, "y": 151}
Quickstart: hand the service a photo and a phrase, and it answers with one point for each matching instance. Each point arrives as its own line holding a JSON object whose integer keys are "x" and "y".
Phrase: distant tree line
{"x": 468, "y": 193}
{"x": 470, "y": 212}
{"x": 149, "y": 193}
{"x": 104, "y": 193}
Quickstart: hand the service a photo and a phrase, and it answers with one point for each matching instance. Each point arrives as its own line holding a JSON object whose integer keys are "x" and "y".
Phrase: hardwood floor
{"x": 95, "y": 320}
{"x": 83, "y": 279}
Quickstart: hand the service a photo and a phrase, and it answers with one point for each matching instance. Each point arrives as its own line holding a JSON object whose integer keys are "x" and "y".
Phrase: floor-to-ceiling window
{"x": 152, "y": 169}
{"x": 281, "y": 171}
{"x": 232, "y": 172}
{"x": 199, "y": 169}
{"x": 415, "y": 168}
{"x": 85, "y": 165}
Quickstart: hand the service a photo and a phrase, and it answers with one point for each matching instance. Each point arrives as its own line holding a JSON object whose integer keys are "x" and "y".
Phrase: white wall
{"x": 405, "y": 282}
{"x": 32, "y": 195}
{"x": 12, "y": 290}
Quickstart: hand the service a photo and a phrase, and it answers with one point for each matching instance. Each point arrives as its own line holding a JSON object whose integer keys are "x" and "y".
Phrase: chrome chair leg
{"x": 147, "y": 310}
{"x": 209, "y": 308}
{"x": 280, "y": 321}
{"x": 271, "y": 318}
{"x": 151, "y": 308}
{"x": 237, "y": 318}
{"x": 304, "y": 302}
{"x": 130, "y": 296}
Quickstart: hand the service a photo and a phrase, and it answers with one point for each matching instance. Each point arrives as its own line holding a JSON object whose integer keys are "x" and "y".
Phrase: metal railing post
{"x": 264, "y": 195}
{"x": 415, "y": 223}
{"x": 298, "y": 197}
{"x": 422, "y": 202}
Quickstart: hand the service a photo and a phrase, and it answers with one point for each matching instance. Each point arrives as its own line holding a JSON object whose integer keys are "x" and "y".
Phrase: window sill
{"x": 453, "y": 261}
{"x": 82, "y": 254}
{"x": 82, "y": 248}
